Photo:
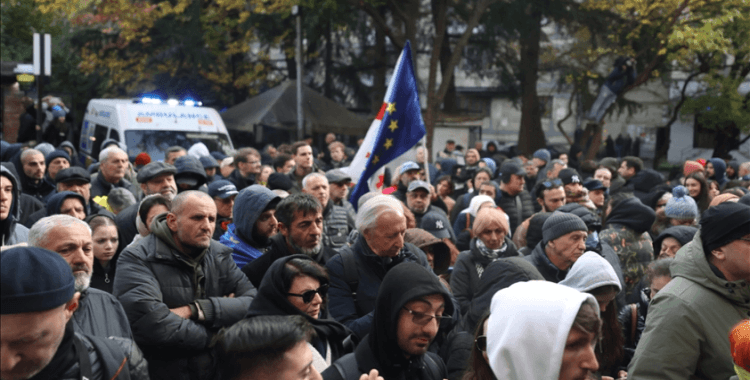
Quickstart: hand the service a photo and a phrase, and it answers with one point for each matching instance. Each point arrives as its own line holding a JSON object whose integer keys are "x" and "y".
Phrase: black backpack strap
{"x": 432, "y": 366}
{"x": 84, "y": 361}
{"x": 347, "y": 367}
{"x": 112, "y": 356}
{"x": 351, "y": 273}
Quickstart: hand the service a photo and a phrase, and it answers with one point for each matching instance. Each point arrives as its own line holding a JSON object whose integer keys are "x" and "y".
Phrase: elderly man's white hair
{"x": 39, "y": 231}
{"x": 104, "y": 155}
{"x": 368, "y": 214}
{"x": 310, "y": 176}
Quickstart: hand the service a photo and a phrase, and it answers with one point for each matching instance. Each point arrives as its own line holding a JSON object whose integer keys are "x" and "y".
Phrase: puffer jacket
{"x": 689, "y": 321}
{"x": 101, "y": 314}
{"x": 468, "y": 270}
{"x": 517, "y": 215}
{"x": 11, "y": 231}
{"x": 153, "y": 277}
{"x": 336, "y": 226}
{"x": 106, "y": 356}
{"x": 371, "y": 269}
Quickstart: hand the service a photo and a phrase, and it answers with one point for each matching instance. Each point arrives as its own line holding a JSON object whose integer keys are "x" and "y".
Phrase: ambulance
{"x": 150, "y": 125}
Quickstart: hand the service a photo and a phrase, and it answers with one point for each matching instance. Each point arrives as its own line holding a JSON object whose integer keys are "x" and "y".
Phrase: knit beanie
{"x": 691, "y": 167}
{"x": 681, "y": 206}
{"x": 142, "y": 159}
{"x": 45, "y": 148}
{"x": 723, "y": 224}
{"x": 559, "y": 224}
{"x": 721, "y": 198}
{"x": 279, "y": 181}
{"x": 543, "y": 154}
{"x": 57, "y": 153}
{"x": 50, "y": 285}
{"x": 490, "y": 165}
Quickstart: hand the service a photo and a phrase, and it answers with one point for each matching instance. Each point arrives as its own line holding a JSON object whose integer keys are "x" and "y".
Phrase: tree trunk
{"x": 531, "y": 135}
{"x": 450, "y": 103}
{"x": 381, "y": 67}
{"x": 327, "y": 61}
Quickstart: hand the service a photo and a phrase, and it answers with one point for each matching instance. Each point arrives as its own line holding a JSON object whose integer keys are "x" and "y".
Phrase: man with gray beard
{"x": 300, "y": 219}
{"x": 99, "y": 313}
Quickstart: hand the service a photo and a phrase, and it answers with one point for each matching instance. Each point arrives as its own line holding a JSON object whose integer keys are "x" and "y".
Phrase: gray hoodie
{"x": 10, "y": 231}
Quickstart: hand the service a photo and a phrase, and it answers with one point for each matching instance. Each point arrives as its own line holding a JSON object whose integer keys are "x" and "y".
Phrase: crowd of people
{"x": 476, "y": 266}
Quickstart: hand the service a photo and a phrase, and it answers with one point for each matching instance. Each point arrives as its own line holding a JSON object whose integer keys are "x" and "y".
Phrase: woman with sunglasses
{"x": 297, "y": 285}
{"x": 479, "y": 366}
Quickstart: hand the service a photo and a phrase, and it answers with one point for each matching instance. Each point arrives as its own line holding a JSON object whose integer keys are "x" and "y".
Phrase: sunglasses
{"x": 481, "y": 343}
{"x": 309, "y": 295}
{"x": 423, "y": 319}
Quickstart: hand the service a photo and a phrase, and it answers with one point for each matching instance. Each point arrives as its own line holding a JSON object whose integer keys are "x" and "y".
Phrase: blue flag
{"x": 399, "y": 123}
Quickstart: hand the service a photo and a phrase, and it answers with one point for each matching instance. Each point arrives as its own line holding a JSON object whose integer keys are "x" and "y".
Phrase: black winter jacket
{"x": 153, "y": 277}
{"x": 467, "y": 271}
{"x": 542, "y": 263}
{"x": 256, "y": 269}
{"x": 370, "y": 272}
{"x": 509, "y": 204}
{"x": 101, "y": 314}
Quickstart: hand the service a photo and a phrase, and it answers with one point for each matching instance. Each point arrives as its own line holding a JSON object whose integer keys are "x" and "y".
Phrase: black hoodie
{"x": 272, "y": 300}
{"x": 11, "y": 232}
{"x": 379, "y": 350}
{"x": 632, "y": 214}
{"x": 56, "y": 201}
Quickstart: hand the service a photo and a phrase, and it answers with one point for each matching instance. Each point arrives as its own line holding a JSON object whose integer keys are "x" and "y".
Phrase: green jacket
{"x": 688, "y": 324}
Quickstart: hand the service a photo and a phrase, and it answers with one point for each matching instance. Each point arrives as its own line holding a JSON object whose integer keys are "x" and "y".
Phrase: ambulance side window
{"x": 100, "y": 134}
{"x": 114, "y": 135}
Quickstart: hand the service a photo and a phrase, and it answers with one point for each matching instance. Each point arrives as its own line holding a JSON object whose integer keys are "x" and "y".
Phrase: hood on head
{"x": 198, "y": 150}
{"x": 69, "y": 145}
{"x": 440, "y": 251}
{"x": 55, "y": 202}
{"x": 10, "y": 150}
{"x": 683, "y": 234}
{"x": 190, "y": 166}
{"x": 720, "y": 168}
{"x": 633, "y": 214}
{"x": 249, "y": 204}
{"x": 15, "y": 208}
{"x": 476, "y": 202}
{"x": 404, "y": 282}
{"x": 589, "y": 272}
{"x": 499, "y": 275}
{"x": 530, "y": 322}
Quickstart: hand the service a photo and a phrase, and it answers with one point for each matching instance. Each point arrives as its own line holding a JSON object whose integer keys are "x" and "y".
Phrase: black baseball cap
{"x": 73, "y": 173}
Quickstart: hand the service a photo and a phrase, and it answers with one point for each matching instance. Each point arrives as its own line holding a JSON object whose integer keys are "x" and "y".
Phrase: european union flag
{"x": 400, "y": 124}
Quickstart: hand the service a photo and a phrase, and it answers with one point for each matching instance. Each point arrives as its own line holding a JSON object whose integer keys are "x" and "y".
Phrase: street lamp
{"x": 298, "y": 59}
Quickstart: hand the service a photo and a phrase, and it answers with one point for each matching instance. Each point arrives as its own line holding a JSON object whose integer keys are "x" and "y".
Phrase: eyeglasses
{"x": 309, "y": 295}
{"x": 481, "y": 343}
{"x": 423, "y": 319}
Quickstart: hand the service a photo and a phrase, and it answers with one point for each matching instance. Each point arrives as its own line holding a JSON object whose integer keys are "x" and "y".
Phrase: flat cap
{"x": 153, "y": 170}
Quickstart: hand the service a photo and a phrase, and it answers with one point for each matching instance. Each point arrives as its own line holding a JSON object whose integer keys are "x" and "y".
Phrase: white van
{"x": 150, "y": 126}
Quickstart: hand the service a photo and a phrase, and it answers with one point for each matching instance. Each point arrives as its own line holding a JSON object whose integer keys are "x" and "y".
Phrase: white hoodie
{"x": 528, "y": 327}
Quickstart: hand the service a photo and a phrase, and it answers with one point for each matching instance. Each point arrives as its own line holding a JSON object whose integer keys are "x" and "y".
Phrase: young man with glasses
{"x": 409, "y": 309}
{"x": 247, "y": 162}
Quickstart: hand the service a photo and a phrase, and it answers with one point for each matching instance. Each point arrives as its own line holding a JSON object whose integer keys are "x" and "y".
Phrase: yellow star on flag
{"x": 388, "y": 143}
{"x": 393, "y": 126}
{"x": 391, "y": 108}
{"x": 375, "y": 159}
